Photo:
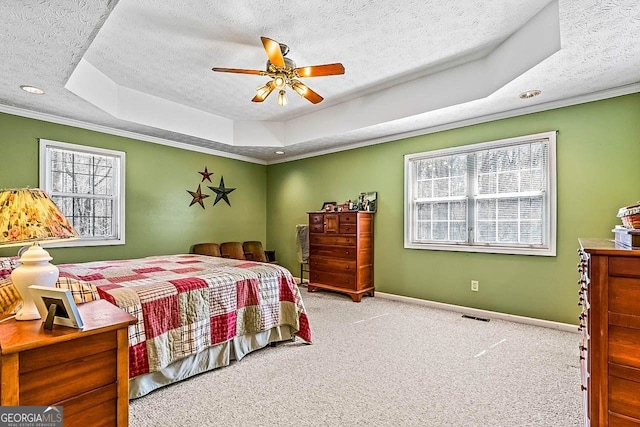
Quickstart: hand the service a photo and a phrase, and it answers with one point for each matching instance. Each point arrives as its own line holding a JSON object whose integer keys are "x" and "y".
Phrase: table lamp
{"x": 30, "y": 216}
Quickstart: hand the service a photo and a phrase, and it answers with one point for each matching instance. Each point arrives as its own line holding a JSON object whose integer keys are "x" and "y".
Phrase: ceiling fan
{"x": 283, "y": 72}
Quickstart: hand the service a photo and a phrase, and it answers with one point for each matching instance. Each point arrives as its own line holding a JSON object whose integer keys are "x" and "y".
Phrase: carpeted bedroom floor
{"x": 385, "y": 363}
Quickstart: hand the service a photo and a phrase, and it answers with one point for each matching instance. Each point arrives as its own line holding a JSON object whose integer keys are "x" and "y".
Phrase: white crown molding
{"x": 118, "y": 132}
{"x": 552, "y": 105}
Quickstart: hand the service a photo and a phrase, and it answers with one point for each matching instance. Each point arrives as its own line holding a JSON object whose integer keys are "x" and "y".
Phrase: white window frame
{"x": 119, "y": 176}
{"x": 549, "y": 209}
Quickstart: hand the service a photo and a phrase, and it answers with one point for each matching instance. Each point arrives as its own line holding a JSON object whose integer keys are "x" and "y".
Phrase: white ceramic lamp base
{"x": 35, "y": 269}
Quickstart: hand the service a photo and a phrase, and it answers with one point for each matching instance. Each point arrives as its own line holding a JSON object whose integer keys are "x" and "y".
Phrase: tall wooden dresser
{"x": 610, "y": 324}
{"x": 341, "y": 252}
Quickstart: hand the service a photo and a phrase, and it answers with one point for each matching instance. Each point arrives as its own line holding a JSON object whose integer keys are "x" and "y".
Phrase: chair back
{"x": 232, "y": 250}
{"x": 211, "y": 249}
{"x": 255, "y": 249}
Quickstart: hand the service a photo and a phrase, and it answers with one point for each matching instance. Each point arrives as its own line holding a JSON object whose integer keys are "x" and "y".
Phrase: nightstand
{"x": 84, "y": 371}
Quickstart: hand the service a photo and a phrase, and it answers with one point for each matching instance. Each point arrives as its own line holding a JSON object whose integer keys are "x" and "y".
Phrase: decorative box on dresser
{"x": 86, "y": 371}
{"x": 610, "y": 324}
{"x": 341, "y": 252}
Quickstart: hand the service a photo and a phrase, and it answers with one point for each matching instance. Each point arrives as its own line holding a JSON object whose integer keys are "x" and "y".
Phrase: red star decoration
{"x": 206, "y": 174}
{"x": 198, "y": 197}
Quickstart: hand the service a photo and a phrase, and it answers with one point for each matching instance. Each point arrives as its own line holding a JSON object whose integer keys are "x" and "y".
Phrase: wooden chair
{"x": 232, "y": 250}
{"x": 211, "y": 249}
{"x": 257, "y": 252}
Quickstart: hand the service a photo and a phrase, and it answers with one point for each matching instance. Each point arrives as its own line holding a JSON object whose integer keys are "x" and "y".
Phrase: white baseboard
{"x": 482, "y": 313}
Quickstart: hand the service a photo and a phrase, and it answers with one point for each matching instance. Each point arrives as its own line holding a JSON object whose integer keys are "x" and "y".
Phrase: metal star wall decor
{"x": 198, "y": 197}
{"x": 222, "y": 192}
{"x": 206, "y": 174}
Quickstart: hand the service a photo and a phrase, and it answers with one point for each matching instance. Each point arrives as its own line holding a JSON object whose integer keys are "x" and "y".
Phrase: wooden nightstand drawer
{"x": 96, "y": 408}
{"x": 623, "y": 397}
{"x": 43, "y": 386}
{"x": 623, "y": 266}
{"x": 623, "y": 346}
{"x": 624, "y": 295}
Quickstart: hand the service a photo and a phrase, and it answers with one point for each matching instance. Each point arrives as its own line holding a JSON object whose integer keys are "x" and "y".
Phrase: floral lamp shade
{"x": 29, "y": 215}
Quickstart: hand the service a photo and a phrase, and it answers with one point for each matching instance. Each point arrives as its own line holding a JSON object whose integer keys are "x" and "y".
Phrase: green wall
{"x": 598, "y": 148}
{"x": 158, "y": 217}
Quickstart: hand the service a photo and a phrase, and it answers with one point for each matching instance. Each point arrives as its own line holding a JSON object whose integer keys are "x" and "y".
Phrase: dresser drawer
{"x": 333, "y": 240}
{"x": 333, "y": 265}
{"x": 348, "y": 228}
{"x": 346, "y": 281}
{"x": 345, "y": 252}
{"x": 348, "y": 219}
{"x": 623, "y": 266}
{"x": 316, "y": 223}
{"x": 316, "y": 228}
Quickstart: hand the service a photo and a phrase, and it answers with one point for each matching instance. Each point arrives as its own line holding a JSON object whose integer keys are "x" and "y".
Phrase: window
{"x": 497, "y": 197}
{"x": 87, "y": 184}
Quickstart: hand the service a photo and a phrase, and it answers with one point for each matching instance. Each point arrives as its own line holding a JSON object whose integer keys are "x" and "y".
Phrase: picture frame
{"x": 66, "y": 309}
{"x": 369, "y": 201}
{"x": 329, "y": 206}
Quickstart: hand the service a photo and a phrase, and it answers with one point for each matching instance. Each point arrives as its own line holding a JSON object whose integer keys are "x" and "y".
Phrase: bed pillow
{"x": 80, "y": 290}
{"x": 9, "y": 297}
{"x": 7, "y": 264}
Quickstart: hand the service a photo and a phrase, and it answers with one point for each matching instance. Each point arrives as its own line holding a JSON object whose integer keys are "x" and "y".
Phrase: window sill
{"x": 483, "y": 249}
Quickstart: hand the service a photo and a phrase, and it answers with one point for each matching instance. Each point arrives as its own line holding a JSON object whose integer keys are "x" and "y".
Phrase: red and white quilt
{"x": 186, "y": 303}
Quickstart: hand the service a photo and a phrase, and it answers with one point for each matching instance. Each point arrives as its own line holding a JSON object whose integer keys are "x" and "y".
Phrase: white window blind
{"x": 496, "y": 196}
{"x": 87, "y": 184}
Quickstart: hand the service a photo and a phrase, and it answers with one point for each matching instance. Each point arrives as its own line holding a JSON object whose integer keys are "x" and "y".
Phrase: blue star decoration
{"x": 206, "y": 174}
{"x": 198, "y": 197}
{"x": 221, "y": 192}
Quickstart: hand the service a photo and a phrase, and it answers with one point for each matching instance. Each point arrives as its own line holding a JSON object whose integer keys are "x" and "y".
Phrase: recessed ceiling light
{"x": 32, "y": 89}
{"x": 279, "y": 152}
{"x": 529, "y": 94}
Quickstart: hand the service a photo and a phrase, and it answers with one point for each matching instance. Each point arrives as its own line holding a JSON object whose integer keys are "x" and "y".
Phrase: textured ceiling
{"x": 166, "y": 49}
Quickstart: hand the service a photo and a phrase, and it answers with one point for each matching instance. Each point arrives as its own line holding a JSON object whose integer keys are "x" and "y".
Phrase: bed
{"x": 195, "y": 313}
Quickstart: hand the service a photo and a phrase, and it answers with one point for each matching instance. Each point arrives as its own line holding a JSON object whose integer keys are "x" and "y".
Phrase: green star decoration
{"x": 198, "y": 197}
{"x": 222, "y": 192}
{"x": 206, "y": 174}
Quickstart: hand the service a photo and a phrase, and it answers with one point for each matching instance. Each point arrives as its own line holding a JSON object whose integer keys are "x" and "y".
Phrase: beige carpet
{"x": 386, "y": 363}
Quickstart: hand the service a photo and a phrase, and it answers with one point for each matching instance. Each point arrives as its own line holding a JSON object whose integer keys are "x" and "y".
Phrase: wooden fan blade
{"x": 263, "y": 92}
{"x": 239, "y": 71}
{"x": 320, "y": 70}
{"x": 304, "y": 91}
{"x": 274, "y": 53}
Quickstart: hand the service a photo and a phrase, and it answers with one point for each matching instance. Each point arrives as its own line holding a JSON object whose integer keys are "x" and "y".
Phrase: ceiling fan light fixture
{"x": 282, "y": 98}
{"x": 264, "y": 90}
{"x": 300, "y": 88}
{"x": 279, "y": 81}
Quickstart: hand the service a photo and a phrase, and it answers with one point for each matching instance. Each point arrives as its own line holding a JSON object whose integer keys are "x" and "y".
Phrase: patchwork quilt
{"x": 186, "y": 303}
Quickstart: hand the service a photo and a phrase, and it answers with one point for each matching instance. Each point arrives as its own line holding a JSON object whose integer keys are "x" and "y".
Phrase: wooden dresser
{"x": 341, "y": 252}
{"x": 84, "y": 371}
{"x": 610, "y": 324}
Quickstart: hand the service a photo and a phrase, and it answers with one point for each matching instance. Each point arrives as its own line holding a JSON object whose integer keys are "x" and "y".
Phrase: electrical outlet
{"x": 475, "y": 285}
